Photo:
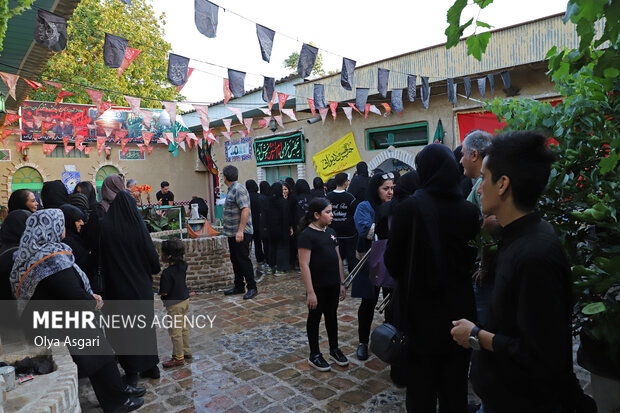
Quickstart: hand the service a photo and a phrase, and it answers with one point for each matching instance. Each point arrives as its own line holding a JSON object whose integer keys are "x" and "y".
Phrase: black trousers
{"x": 240, "y": 259}
{"x": 258, "y": 249}
{"x": 108, "y": 387}
{"x": 346, "y": 246}
{"x": 279, "y": 256}
{"x": 327, "y": 304}
{"x": 366, "y": 313}
{"x": 438, "y": 378}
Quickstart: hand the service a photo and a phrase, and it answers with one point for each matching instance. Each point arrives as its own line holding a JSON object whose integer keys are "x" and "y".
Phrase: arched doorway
{"x": 393, "y": 159}
{"x": 102, "y": 173}
{"x": 27, "y": 177}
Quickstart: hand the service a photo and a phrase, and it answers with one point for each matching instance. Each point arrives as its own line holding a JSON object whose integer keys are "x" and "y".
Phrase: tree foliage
{"x": 582, "y": 198}
{"x": 6, "y": 13}
{"x": 82, "y": 61}
{"x": 292, "y": 61}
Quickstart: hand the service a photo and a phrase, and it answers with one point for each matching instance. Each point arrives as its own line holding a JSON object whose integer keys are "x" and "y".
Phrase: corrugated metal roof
{"x": 509, "y": 47}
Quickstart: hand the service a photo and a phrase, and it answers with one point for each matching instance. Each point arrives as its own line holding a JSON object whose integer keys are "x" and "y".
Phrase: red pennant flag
{"x": 130, "y": 55}
{"x": 243, "y": 133}
{"x": 182, "y": 135}
{"x": 65, "y": 140}
{"x": 150, "y": 149}
{"x": 227, "y": 135}
{"x": 108, "y": 151}
{"x": 78, "y": 141}
{"x": 103, "y": 108}
{"x": 123, "y": 151}
{"x": 323, "y": 113}
{"x": 22, "y": 145}
{"x": 47, "y": 149}
{"x": 11, "y": 81}
{"x": 36, "y": 137}
{"x": 121, "y": 133}
{"x": 100, "y": 142}
{"x": 33, "y": 84}
{"x": 355, "y": 108}
{"x": 96, "y": 96}
{"x": 279, "y": 120}
{"x": 142, "y": 150}
{"x": 10, "y": 118}
{"x": 262, "y": 124}
{"x": 61, "y": 95}
{"x": 6, "y": 133}
{"x": 45, "y": 126}
{"x": 147, "y": 117}
{"x": 146, "y": 137}
{"x": 273, "y": 97}
{"x": 80, "y": 147}
{"x": 87, "y": 150}
{"x": 124, "y": 142}
{"x": 68, "y": 149}
{"x": 134, "y": 104}
{"x": 312, "y": 107}
{"x": 282, "y": 97}
{"x": 387, "y": 107}
{"x": 227, "y": 92}
{"x": 189, "y": 73}
{"x": 290, "y": 113}
{"x": 56, "y": 85}
{"x": 366, "y": 110}
{"x": 333, "y": 106}
{"x": 248, "y": 123}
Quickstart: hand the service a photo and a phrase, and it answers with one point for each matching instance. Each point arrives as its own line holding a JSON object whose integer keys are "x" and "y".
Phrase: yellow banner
{"x": 337, "y": 157}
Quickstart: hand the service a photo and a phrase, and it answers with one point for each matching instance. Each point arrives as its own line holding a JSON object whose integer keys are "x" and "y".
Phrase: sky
{"x": 362, "y": 30}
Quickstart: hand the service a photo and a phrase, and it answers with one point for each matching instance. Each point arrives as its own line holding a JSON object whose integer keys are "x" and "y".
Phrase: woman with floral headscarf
{"x": 44, "y": 274}
{"x": 112, "y": 185}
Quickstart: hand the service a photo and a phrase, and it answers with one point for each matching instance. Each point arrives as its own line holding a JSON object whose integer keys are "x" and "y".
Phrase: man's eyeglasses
{"x": 387, "y": 176}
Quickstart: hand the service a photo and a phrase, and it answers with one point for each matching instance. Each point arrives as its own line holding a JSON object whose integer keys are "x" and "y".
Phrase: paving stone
{"x": 271, "y": 367}
{"x": 255, "y": 403}
{"x": 297, "y": 403}
{"x": 341, "y": 383}
{"x": 322, "y": 393}
{"x": 219, "y": 403}
{"x": 279, "y": 393}
{"x": 361, "y": 373}
{"x": 178, "y": 400}
{"x": 355, "y": 397}
{"x": 247, "y": 375}
{"x": 376, "y": 364}
{"x": 264, "y": 382}
{"x": 287, "y": 374}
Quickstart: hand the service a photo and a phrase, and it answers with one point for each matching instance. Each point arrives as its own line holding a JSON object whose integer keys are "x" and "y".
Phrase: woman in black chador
{"x": 432, "y": 264}
{"x": 129, "y": 261}
{"x": 279, "y": 226}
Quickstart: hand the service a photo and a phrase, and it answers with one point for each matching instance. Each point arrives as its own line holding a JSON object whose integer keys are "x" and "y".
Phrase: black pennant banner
{"x": 506, "y": 79}
{"x": 177, "y": 69}
{"x": 348, "y": 71}
{"x": 50, "y": 30}
{"x": 237, "y": 82}
{"x": 411, "y": 87}
{"x": 467, "y": 84}
{"x": 482, "y": 85}
{"x": 361, "y": 96}
{"x": 451, "y": 94}
{"x": 382, "y": 81}
{"x": 269, "y": 85}
{"x": 205, "y": 17}
{"x": 396, "y": 100}
{"x": 491, "y": 78}
{"x": 114, "y": 50}
{"x": 319, "y": 96}
{"x": 307, "y": 57}
{"x": 265, "y": 39}
{"x": 426, "y": 92}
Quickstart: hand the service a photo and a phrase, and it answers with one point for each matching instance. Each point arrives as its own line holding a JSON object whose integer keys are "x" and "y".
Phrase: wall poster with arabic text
{"x": 279, "y": 150}
{"x": 337, "y": 157}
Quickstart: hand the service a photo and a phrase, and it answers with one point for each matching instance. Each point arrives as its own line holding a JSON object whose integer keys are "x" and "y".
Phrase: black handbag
{"x": 387, "y": 342}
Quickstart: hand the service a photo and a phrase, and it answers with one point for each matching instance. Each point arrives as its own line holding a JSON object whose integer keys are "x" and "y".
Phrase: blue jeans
{"x": 482, "y": 294}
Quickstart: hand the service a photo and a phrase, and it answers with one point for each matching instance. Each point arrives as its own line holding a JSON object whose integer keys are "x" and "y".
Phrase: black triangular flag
{"x": 382, "y": 81}
{"x": 491, "y": 77}
{"x": 177, "y": 69}
{"x": 450, "y": 86}
{"x": 361, "y": 96}
{"x": 265, "y": 39}
{"x": 319, "y": 96}
{"x": 307, "y": 57}
{"x": 426, "y": 92}
{"x": 237, "y": 82}
{"x": 397, "y": 100}
{"x": 269, "y": 85}
{"x": 114, "y": 50}
{"x": 348, "y": 71}
{"x": 482, "y": 85}
{"x": 50, "y": 30}
{"x": 411, "y": 87}
{"x": 467, "y": 84}
{"x": 205, "y": 17}
{"x": 506, "y": 79}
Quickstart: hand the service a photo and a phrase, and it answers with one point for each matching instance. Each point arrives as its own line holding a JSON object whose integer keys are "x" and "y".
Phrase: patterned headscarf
{"x": 112, "y": 185}
{"x": 41, "y": 254}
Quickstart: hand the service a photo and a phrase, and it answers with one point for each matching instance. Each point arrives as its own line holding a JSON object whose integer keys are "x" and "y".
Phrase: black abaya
{"x": 129, "y": 259}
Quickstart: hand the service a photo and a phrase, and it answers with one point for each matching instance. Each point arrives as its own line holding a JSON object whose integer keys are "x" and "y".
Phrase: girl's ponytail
{"x": 316, "y": 205}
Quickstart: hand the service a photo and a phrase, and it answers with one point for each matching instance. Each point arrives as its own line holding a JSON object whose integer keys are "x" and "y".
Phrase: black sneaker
{"x": 336, "y": 355}
{"x": 318, "y": 362}
{"x": 234, "y": 291}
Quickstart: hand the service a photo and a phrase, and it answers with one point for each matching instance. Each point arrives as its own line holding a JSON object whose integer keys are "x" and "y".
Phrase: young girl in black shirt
{"x": 322, "y": 272}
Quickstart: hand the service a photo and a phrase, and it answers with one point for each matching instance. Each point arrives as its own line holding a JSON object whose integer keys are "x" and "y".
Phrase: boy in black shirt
{"x": 174, "y": 294}
{"x": 165, "y": 197}
{"x": 343, "y": 209}
{"x": 523, "y": 357}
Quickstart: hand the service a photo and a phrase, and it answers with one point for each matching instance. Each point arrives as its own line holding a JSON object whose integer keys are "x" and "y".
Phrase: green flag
{"x": 439, "y": 133}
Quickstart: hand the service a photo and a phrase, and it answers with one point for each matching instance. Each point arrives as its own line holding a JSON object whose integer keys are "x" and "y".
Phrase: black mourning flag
{"x": 482, "y": 84}
{"x": 50, "y": 30}
{"x": 346, "y": 76}
{"x": 426, "y": 92}
{"x": 265, "y": 39}
{"x": 114, "y": 50}
{"x": 506, "y": 79}
{"x": 269, "y": 85}
{"x": 467, "y": 84}
{"x": 307, "y": 57}
{"x": 319, "y": 96}
{"x": 397, "y": 100}
{"x": 361, "y": 96}
{"x": 382, "y": 81}
{"x": 411, "y": 86}
{"x": 451, "y": 94}
{"x": 177, "y": 69}
{"x": 237, "y": 82}
{"x": 205, "y": 17}
{"x": 491, "y": 78}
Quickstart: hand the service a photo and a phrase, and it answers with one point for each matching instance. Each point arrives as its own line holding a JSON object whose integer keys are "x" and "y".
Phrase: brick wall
{"x": 208, "y": 260}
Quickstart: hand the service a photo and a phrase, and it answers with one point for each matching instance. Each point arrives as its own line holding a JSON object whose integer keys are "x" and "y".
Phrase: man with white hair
{"x": 475, "y": 146}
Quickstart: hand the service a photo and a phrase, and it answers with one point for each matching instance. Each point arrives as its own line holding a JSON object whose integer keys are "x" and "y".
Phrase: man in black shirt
{"x": 165, "y": 196}
{"x": 522, "y": 359}
{"x": 343, "y": 208}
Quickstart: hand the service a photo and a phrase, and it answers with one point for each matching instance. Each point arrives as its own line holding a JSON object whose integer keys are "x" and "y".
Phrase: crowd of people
{"x": 474, "y": 277}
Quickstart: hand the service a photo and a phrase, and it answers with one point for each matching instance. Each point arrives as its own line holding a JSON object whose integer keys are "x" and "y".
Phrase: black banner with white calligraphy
{"x": 279, "y": 150}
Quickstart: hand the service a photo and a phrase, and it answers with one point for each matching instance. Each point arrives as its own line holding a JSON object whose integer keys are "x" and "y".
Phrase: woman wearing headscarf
{"x": 112, "y": 185}
{"x": 54, "y": 194}
{"x": 359, "y": 183}
{"x": 23, "y": 199}
{"x": 129, "y": 261}
{"x": 263, "y": 200}
{"x": 318, "y": 190}
{"x": 45, "y": 271}
{"x": 380, "y": 190}
{"x": 10, "y": 234}
{"x": 279, "y": 227}
{"x": 74, "y": 222}
{"x": 428, "y": 254}
{"x": 256, "y": 210}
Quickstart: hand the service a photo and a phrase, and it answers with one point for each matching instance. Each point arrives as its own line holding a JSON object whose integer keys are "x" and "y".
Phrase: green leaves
{"x": 477, "y": 44}
{"x": 455, "y": 30}
{"x": 594, "y": 308}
